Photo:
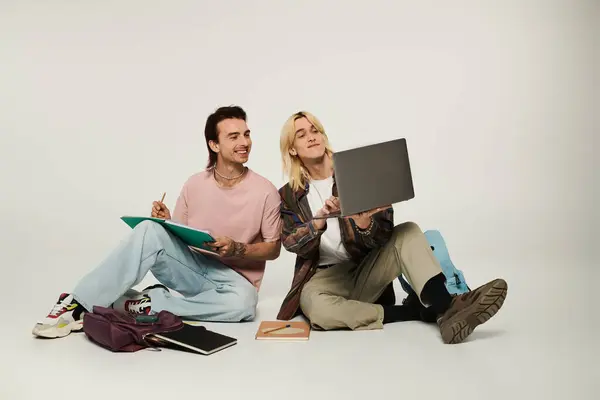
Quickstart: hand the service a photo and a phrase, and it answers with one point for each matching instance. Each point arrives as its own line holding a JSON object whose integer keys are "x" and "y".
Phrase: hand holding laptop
{"x": 331, "y": 206}
{"x": 363, "y": 219}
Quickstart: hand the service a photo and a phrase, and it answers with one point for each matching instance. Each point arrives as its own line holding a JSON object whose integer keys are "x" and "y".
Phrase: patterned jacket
{"x": 299, "y": 236}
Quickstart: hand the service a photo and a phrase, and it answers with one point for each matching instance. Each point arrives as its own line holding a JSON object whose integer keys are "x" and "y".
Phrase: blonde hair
{"x": 292, "y": 165}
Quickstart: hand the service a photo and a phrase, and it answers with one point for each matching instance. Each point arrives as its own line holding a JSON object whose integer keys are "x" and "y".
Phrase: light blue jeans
{"x": 211, "y": 291}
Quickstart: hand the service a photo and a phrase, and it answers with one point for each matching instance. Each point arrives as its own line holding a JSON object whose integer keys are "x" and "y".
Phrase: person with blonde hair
{"x": 344, "y": 265}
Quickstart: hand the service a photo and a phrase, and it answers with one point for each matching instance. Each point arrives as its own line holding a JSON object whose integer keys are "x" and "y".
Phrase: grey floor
{"x": 540, "y": 345}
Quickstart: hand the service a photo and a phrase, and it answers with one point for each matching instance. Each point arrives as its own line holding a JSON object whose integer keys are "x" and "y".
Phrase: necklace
{"x": 227, "y": 177}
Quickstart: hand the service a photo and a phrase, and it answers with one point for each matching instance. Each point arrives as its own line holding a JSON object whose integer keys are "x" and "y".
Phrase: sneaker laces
{"x": 137, "y": 306}
{"x": 58, "y": 307}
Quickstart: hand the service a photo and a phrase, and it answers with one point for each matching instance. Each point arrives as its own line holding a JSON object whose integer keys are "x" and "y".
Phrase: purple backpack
{"x": 120, "y": 332}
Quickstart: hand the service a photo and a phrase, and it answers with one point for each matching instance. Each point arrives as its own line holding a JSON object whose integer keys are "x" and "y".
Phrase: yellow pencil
{"x": 163, "y": 198}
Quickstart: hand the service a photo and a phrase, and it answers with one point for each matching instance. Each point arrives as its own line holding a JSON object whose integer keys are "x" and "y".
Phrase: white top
{"x": 331, "y": 250}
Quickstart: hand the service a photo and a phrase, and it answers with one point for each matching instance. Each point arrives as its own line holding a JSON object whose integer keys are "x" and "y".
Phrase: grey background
{"x": 103, "y": 104}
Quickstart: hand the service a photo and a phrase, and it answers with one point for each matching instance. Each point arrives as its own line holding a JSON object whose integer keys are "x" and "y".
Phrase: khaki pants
{"x": 342, "y": 296}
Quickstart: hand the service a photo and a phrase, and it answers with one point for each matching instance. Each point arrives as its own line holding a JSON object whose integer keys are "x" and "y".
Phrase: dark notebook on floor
{"x": 195, "y": 339}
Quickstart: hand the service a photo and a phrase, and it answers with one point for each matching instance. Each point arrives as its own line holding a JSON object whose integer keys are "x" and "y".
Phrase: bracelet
{"x": 366, "y": 232}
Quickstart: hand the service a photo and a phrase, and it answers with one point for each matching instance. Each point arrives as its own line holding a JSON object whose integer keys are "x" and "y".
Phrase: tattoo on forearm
{"x": 239, "y": 249}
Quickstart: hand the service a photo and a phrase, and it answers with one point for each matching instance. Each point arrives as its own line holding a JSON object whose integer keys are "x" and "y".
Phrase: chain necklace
{"x": 227, "y": 177}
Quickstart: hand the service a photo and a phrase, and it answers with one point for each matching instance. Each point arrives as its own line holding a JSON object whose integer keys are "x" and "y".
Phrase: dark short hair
{"x": 210, "y": 129}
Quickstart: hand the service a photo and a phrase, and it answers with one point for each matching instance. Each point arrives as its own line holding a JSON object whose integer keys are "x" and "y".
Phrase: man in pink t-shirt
{"x": 240, "y": 208}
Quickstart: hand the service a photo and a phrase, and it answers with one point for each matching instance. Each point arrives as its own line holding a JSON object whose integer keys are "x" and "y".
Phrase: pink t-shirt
{"x": 247, "y": 213}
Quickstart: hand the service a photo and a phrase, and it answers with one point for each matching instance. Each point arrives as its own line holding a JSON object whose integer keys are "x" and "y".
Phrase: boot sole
{"x": 478, "y": 313}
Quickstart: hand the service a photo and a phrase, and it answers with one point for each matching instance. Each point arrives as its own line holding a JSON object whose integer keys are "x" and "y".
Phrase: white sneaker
{"x": 65, "y": 317}
{"x": 135, "y": 303}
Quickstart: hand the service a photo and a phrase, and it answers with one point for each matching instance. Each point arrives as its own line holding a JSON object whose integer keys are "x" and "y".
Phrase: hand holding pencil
{"x": 160, "y": 210}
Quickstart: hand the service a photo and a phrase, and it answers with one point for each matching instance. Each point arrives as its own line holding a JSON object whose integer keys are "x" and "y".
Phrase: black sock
{"x": 436, "y": 294}
{"x": 388, "y": 297}
{"x": 400, "y": 313}
{"x": 428, "y": 314}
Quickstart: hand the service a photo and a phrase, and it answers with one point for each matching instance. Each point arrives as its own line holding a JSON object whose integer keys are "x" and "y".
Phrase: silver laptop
{"x": 372, "y": 176}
